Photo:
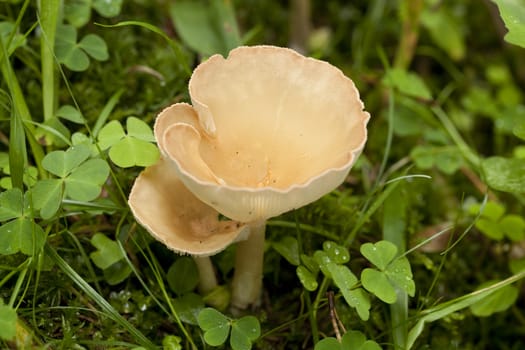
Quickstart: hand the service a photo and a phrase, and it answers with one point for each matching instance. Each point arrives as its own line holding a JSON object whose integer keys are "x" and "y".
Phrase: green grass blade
{"x": 92, "y": 293}
{"x": 394, "y": 230}
{"x": 48, "y": 18}
{"x": 17, "y": 149}
{"x": 444, "y": 309}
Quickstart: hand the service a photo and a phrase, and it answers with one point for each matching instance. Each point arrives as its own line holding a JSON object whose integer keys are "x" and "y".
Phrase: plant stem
{"x": 207, "y": 277}
{"x": 410, "y": 13}
{"x": 48, "y": 17}
{"x": 249, "y": 258}
{"x": 300, "y": 24}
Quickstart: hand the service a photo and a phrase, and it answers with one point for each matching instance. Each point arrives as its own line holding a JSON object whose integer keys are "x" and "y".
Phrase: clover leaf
{"x": 330, "y": 260}
{"x": 79, "y": 178}
{"x": 73, "y": 54}
{"x": 494, "y": 224}
{"x": 78, "y": 12}
{"x": 391, "y": 272}
{"x": 354, "y": 340}
{"x": 244, "y": 331}
{"x": 19, "y": 232}
{"x": 132, "y": 149}
{"x": 217, "y": 326}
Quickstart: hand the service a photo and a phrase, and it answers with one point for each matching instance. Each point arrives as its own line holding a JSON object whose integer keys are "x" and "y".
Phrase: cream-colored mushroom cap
{"x": 269, "y": 131}
{"x": 174, "y": 216}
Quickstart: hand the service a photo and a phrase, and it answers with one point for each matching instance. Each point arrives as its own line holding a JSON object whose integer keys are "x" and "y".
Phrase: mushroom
{"x": 268, "y": 131}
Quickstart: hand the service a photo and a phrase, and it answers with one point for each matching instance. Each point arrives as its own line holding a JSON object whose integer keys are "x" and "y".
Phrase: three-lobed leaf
{"x": 392, "y": 271}
{"x": 132, "y": 149}
{"x": 73, "y": 54}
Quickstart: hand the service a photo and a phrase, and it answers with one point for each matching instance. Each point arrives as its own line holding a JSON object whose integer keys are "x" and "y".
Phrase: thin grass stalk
{"x": 48, "y": 18}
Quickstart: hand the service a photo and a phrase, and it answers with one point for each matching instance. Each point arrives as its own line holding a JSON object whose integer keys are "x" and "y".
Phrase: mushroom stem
{"x": 207, "y": 277}
{"x": 249, "y": 257}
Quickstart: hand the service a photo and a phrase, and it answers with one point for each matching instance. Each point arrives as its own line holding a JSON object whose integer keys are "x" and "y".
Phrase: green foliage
{"x": 18, "y": 232}
{"x": 445, "y": 158}
{"x": 513, "y": 14}
{"x": 171, "y": 342}
{"x": 183, "y": 275}
{"x": 132, "y": 149}
{"x": 330, "y": 261}
{"x": 75, "y": 55}
{"x": 207, "y": 27}
{"x": 495, "y": 224}
{"x": 350, "y": 340}
{"x": 79, "y": 178}
{"x": 188, "y": 307}
{"x": 445, "y": 30}
{"x": 18, "y": 40}
{"x": 216, "y": 327}
{"x": 407, "y": 83}
{"x": 505, "y": 174}
{"x": 288, "y": 247}
{"x": 78, "y": 12}
{"x": 109, "y": 257}
{"x": 498, "y": 301}
{"x": 70, "y": 113}
{"x": 391, "y": 272}
{"x": 7, "y": 322}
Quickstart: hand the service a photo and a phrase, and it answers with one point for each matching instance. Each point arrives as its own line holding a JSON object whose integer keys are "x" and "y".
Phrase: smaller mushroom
{"x": 173, "y": 215}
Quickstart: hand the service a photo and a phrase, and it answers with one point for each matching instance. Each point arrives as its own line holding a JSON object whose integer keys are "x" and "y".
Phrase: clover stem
{"x": 249, "y": 257}
{"x": 207, "y": 277}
